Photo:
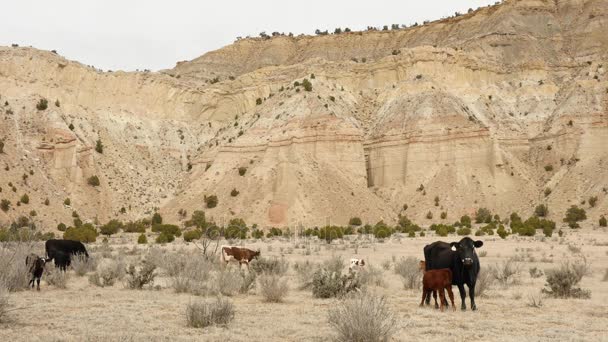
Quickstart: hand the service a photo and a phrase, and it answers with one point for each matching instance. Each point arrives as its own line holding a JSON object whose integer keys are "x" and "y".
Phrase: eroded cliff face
{"x": 470, "y": 110}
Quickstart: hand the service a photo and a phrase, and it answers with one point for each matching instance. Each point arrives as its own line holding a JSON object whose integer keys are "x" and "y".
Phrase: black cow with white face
{"x": 461, "y": 258}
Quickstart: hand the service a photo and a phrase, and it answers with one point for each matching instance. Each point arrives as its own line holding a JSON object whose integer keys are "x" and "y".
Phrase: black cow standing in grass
{"x": 462, "y": 261}
{"x": 35, "y": 267}
{"x": 62, "y": 250}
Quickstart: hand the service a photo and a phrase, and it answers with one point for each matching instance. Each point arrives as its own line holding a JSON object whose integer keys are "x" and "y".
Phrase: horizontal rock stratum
{"x": 488, "y": 109}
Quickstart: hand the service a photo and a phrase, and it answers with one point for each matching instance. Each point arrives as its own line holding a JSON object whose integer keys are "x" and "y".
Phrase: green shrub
{"x": 307, "y": 85}
{"x": 83, "y": 233}
{"x": 165, "y": 238}
{"x": 67, "y": 201}
{"x": 547, "y": 192}
{"x": 258, "y": 101}
{"x": 192, "y": 235}
{"x": 548, "y": 168}
{"x": 142, "y": 239}
{"x": 561, "y": 282}
{"x": 234, "y": 193}
{"x": 99, "y": 146}
{"x": 465, "y": 221}
{"x": 242, "y": 170}
{"x": 157, "y": 218}
{"x": 574, "y": 215}
{"x": 355, "y": 221}
{"x": 592, "y": 201}
{"x": 329, "y": 233}
{"x": 169, "y": 229}
{"x": 541, "y": 210}
{"x": 110, "y": 228}
{"x": 603, "y": 222}
{"x": 483, "y": 215}
{"x": 42, "y": 104}
{"x": 442, "y": 231}
{"x": 134, "y": 227}
{"x": 257, "y": 234}
{"x": 429, "y": 215}
{"x": 5, "y": 205}
{"x": 444, "y": 215}
{"x": 211, "y": 201}
{"x": 327, "y": 284}
{"x": 464, "y": 231}
{"x": 61, "y": 227}
{"x": 502, "y": 232}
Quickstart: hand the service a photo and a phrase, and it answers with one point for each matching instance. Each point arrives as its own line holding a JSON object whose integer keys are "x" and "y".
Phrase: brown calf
{"x": 240, "y": 254}
{"x": 437, "y": 280}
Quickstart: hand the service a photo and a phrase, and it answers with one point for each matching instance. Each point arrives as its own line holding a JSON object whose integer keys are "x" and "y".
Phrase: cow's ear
{"x": 478, "y": 243}
{"x": 454, "y": 245}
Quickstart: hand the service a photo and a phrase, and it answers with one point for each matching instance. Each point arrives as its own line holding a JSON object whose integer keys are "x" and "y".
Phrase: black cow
{"x": 463, "y": 262}
{"x": 62, "y": 250}
{"x": 35, "y": 267}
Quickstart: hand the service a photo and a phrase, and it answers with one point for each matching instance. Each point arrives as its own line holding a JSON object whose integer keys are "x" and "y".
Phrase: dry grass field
{"x": 83, "y": 311}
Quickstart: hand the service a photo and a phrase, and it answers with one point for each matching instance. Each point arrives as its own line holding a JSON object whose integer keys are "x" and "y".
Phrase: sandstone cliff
{"x": 471, "y": 110}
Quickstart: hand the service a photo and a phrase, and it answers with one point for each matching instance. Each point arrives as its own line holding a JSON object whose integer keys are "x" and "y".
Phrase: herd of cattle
{"x": 445, "y": 264}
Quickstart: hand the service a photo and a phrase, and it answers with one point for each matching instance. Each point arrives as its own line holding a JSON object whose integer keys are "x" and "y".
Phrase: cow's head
{"x": 466, "y": 250}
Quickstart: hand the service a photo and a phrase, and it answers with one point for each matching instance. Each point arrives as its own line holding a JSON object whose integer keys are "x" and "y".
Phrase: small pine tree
{"x": 99, "y": 146}
{"x": 541, "y": 210}
{"x": 25, "y": 199}
{"x": 142, "y": 239}
{"x": 93, "y": 181}
{"x": 67, "y": 201}
{"x": 157, "y": 219}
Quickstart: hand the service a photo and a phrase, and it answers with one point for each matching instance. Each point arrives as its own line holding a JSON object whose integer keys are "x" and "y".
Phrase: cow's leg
{"x": 38, "y": 284}
{"x": 451, "y": 294}
{"x": 445, "y": 299}
{"x": 442, "y": 299}
{"x": 424, "y": 293}
{"x": 31, "y": 282}
{"x": 463, "y": 295}
{"x": 428, "y": 297}
{"x": 435, "y": 298}
{"x": 472, "y": 295}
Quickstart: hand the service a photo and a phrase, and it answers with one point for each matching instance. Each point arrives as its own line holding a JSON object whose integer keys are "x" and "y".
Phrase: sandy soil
{"x": 83, "y": 312}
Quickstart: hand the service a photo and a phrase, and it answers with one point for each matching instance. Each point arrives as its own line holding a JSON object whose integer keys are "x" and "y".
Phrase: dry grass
{"x": 54, "y": 276}
{"x": 561, "y": 282}
{"x": 273, "y": 287}
{"x": 304, "y": 273}
{"x": 81, "y": 264}
{"x": 278, "y": 266}
{"x": 362, "y": 317}
{"x": 485, "y": 280}
{"x": 4, "y": 303}
{"x": 137, "y": 278}
{"x": 108, "y": 272}
{"x": 205, "y": 313}
{"x": 506, "y": 273}
{"x": 13, "y": 271}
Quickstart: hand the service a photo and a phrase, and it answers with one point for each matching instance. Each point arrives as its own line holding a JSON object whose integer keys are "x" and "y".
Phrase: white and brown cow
{"x": 356, "y": 264}
{"x": 239, "y": 254}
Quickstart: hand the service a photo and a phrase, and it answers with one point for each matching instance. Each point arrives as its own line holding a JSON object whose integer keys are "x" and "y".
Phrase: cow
{"x": 240, "y": 254}
{"x": 437, "y": 280}
{"x": 461, "y": 259}
{"x": 355, "y": 264}
{"x": 61, "y": 252}
{"x": 35, "y": 267}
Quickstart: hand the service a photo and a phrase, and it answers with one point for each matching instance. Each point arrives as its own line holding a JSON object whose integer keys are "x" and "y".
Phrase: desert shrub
{"x": 443, "y": 215}
{"x": 205, "y": 313}
{"x": 304, "y": 273}
{"x": 258, "y": 101}
{"x": 4, "y": 302}
{"x": 13, "y": 271}
{"x": 355, "y": 221}
{"x": 535, "y": 272}
{"x": 506, "y": 272}
{"x": 25, "y": 199}
{"x": 465, "y": 221}
{"x": 141, "y": 276}
{"x": 502, "y": 232}
{"x": 275, "y": 266}
{"x": 328, "y": 284}
{"x": 307, "y": 85}
{"x": 93, "y": 181}
{"x": 561, "y": 282}
{"x": 592, "y": 201}
{"x": 547, "y": 192}
{"x": 371, "y": 275}
{"x": 242, "y": 170}
{"x": 192, "y": 235}
{"x": 42, "y": 104}
{"x": 330, "y": 233}
{"x": 464, "y": 231}
{"x": 485, "y": 280}
{"x": 61, "y": 227}
{"x": 548, "y": 168}
{"x": 108, "y": 272}
{"x": 81, "y": 264}
{"x": 541, "y": 210}
{"x": 483, "y": 215}
{"x": 110, "y": 228}
{"x": 234, "y": 193}
{"x": 273, "y": 287}
{"x": 99, "y": 146}
{"x": 603, "y": 222}
{"x": 84, "y": 233}
{"x": 142, "y": 239}
{"x": 363, "y": 317}
{"x": 334, "y": 264}
{"x": 429, "y": 215}
{"x": 192, "y": 276}
{"x": 228, "y": 282}
{"x": 211, "y": 201}
{"x": 134, "y": 227}
{"x": 574, "y": 215}
{"x": 5, "y": 205}
{"x": 409, "y": 271}
{"x": 54, "y": 276}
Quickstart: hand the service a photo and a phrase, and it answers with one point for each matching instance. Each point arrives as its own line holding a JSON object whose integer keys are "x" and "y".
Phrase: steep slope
{"x": 487, "y": 109}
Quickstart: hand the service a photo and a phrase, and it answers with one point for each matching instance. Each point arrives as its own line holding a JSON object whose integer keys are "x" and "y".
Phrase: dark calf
{"x": 438, "y": 280}
{"x": 35, "y": 266}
